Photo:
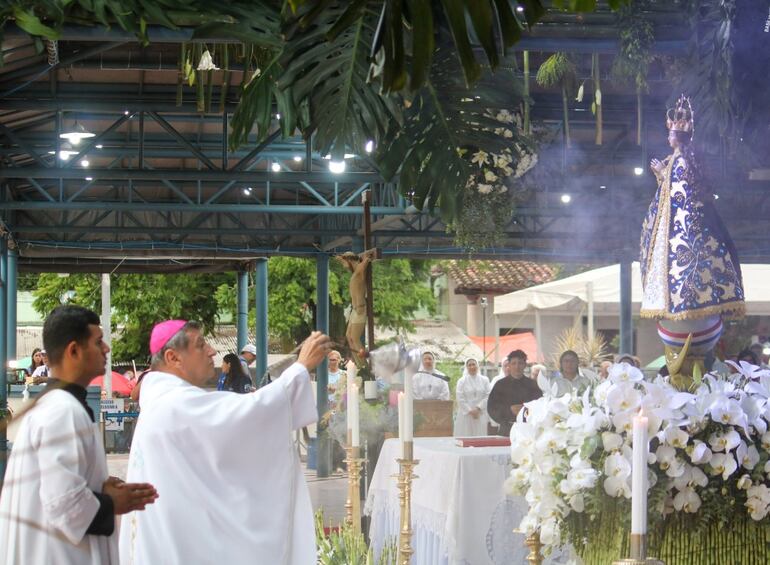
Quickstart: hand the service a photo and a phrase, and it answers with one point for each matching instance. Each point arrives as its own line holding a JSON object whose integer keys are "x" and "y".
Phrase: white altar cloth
{"x": 460, "y": 512}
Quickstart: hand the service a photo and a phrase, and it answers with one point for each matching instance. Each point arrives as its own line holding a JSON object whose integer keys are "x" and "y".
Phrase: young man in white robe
{"x": 231, "y": 486}
{"x": 58, "y": 503}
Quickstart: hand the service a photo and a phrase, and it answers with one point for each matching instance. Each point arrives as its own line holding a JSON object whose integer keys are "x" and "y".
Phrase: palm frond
{"x": 330, "y": 71}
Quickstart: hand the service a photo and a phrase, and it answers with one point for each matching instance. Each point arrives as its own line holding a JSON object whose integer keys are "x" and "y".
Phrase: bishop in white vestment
{"x": 231, "y": 488}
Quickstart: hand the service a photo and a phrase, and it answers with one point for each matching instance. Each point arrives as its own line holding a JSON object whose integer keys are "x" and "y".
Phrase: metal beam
{"x": 181, "y": 207}
{"x": 182, "y": 141}
{"x": 190, "y": 175}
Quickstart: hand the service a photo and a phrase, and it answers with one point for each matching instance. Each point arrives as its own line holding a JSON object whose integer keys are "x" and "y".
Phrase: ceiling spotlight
{"x": 246, "y": 190}
{"x": 716, "y": 197}
{"x": 100, "y": 146}
{"x": 276, "y": 167}
{"x": 566, "y": 198}
{"x": 638, "y": 171}
{"x": 85, "y": 163}
{"x": 297, "y": 158}
{"x": 602, "y": 186}
{"x": 520, "y": 9}
{"x": 125, "y": 113}
{"x": 278, "y": 116}
{"x": 337, "y": 167}
{"x": 369, "y": 147}
{"x": 65, "y": 152}
{"x": 77, "y": 133}
{"x": 89, "y": 178}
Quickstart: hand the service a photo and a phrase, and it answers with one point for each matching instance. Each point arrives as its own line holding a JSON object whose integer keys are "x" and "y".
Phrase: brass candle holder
{"x": 353, "y": 502}
{"x": 638, "y": 552}
{"x": 535, "y": 556}
{"x": 404, "y": 479}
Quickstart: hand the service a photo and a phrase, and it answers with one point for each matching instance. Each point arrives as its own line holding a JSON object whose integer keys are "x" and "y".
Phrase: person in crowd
{"x": 504, "y": 372}
{"x": 604, "y": 370}
{"x": 58, "y": 503}
{"x": 136, "y": 391}
{"x": 41, "y": 373}
{"x": 429, "y": 383}
{"x": 569, "y": 378}
{"x": 759, "y": 352}
{"x": 36, "y": 359}
{"x": 337, "y": 377}
{"x": 207, "y": 448}
{"x": 511, "y": 393}
{"x": 471, "y": 395}
{"x": 248, "y": 356}
{"x": 235, "y": 379}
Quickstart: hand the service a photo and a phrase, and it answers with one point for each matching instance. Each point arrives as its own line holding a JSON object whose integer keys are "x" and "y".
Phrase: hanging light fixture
{"x": 65, "y": 151}
{"x": 76, "y": 134}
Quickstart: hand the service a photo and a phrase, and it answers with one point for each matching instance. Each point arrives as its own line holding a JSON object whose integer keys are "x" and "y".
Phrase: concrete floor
{"x": 328, "y": 494}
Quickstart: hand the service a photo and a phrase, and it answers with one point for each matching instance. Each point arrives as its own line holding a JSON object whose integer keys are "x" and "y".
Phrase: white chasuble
{"x": 230, "y": 486}
{"x": 47, "y": 502}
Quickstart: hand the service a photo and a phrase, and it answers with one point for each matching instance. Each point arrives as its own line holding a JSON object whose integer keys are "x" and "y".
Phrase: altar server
{"x": 58, "y": 503}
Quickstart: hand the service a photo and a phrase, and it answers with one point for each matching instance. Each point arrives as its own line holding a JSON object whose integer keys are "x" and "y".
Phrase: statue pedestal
{"x": 433, "y": 418}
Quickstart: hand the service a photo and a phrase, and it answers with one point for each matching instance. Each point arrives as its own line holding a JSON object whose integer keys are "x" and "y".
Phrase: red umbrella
{"x": 120, "y": 383}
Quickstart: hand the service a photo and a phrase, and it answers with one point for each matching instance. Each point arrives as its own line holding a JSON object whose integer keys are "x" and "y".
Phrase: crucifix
{"x": 361, "y": 290}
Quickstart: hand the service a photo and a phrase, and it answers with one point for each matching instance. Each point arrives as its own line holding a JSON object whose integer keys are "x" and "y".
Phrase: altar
{"x": 460, "y": 512}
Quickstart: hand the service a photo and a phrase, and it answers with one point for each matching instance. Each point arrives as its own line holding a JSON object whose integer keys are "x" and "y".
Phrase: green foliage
{"x": 445, "y": 122}
{"x": 557, "y": 70}
{"x": 330, "y": 69}
{"x": 348, "y": 547}
{"x": 482, "y": 221}
{"x": 401, "y": 288}
{"x": 636, "y": 39}
{"x": 453, "y": 370}
{"x": 138, "y": 302}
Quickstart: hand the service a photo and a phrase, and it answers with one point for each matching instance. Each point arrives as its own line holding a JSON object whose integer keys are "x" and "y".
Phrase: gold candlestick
{"x": 535, "y": 556}
{"x": 353, "y": 502}
{"x": 638, "y": 552}
{"x": 404, "y": 479}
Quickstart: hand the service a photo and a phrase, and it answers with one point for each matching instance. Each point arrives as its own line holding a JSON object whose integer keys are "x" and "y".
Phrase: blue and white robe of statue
{"x": 689, "y": 264}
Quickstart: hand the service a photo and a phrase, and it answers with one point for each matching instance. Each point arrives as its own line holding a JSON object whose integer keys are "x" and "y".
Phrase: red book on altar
{"x": 483, "y": 441}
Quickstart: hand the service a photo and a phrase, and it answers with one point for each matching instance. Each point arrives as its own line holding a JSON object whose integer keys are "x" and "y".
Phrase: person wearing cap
{"x": 231, "y": 486}
{"x": 58, "y": 503}
{"x": 248, "y": 356}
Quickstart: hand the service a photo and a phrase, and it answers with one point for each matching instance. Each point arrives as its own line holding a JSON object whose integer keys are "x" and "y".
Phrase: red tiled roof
{"x": 473, "y": 277}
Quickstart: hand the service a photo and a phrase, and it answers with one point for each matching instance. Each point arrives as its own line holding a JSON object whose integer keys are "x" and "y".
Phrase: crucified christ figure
{"x": 357, "y": 264}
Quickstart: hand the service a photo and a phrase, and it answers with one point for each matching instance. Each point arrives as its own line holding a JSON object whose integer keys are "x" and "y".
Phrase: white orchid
{"x": 480, "y": 158}
{"x": 723, "y": 464}
{"x": 699, "y": 452}
{"x": 758, "y": 501}
{"x": 489, "y": 176}
{"x": 675, "y": 437}
{"x": 618, "y": 470}
{"x": 485, "y": 188}
{"x": 625, "y": 372}
{"x": 687, "y": 500}
{"x": 724, "y": 441}
{"x": 747, "y": 455}
{"x": 611, "y": 441}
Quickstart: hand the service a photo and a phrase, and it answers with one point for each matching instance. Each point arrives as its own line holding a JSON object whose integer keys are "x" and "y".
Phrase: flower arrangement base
{"x": 638, "y": 562}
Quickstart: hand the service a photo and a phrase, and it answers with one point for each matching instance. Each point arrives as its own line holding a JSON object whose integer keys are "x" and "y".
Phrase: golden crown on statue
{"x": 681, "y": 117}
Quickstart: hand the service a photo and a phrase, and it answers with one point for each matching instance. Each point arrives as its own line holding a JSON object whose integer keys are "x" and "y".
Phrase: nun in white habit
{"x": 471, "y": 395}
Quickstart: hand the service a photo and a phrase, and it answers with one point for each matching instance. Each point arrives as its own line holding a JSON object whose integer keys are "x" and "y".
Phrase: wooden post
{"x": 369, "y": 285}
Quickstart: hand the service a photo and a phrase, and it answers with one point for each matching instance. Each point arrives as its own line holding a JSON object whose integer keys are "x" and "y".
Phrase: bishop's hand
{"x": 314, "y": 350}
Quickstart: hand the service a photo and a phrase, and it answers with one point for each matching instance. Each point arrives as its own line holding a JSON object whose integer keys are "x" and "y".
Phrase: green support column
{"x": 243, "y": 309}
{"x": 322, "y": 372}
{"x": 13, "y": 257}
{"x": 3, "y": 352}
{"x": 261, "y": 329}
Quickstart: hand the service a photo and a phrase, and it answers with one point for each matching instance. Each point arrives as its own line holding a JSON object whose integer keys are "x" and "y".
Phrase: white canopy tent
{"x": 602, "y": 288}
{"x": 596, "y": 293}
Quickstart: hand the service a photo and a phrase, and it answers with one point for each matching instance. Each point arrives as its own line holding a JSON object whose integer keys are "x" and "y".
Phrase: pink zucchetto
{"x": 163, "y": 332}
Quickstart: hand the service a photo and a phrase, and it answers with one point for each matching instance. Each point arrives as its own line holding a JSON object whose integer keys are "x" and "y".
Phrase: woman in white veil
{"x": 471, "y": 396}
